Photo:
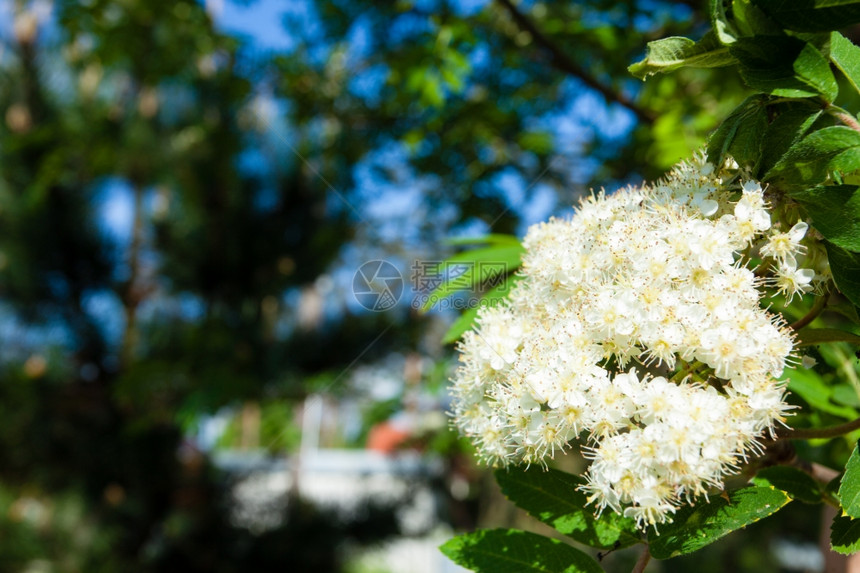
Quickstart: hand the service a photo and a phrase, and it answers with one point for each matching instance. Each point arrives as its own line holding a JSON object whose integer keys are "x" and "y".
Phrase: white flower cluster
{"x": 695, "y": 184}
{"x": 652, "y": 275}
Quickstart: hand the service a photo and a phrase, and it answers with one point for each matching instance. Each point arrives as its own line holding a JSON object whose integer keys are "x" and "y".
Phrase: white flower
{"x": 790, "y": 281}
{"x": 784, "y": 247}
{"x": 648, "y": 275}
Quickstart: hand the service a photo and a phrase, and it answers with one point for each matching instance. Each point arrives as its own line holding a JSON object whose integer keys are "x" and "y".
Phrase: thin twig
{"x": 845, "y": 117}
{"x": 643, "y": 560}
{"x": 564, "y": 63}
{"x": 813, "y": 313}
{"x": 848, "y": 119}
{"x": 815, "y": 433}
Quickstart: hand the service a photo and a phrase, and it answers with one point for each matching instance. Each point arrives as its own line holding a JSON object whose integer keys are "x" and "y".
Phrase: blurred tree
{"x": 247, "y": 176}
{"x": 147, "y": 103}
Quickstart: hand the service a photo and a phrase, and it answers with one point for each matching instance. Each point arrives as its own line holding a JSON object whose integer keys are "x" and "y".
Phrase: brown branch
{"x": 813, "y": 313}
{"x": 564, "y": 63}
{"x": 816, "y": 433}
{"x": 642, "y": 562}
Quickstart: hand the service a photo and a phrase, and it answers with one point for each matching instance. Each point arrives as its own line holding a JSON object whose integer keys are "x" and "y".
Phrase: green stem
{"x": 813, "y": 313}
{"x": 816, "y": 433}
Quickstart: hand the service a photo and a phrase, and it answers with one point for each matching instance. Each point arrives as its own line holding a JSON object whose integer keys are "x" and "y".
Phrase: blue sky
{"x": 260, "y": 21}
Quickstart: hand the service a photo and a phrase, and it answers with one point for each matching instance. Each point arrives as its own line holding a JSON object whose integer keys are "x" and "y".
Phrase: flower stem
{"x": 643, "y": 560}
{"x": 813, "y": 313}
{"x": 814, "y": 433}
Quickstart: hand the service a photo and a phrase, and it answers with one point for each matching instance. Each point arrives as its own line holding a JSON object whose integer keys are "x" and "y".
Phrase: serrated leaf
{"x": 552, "y": 497}
{"x": 740, "y": 135}
{"x": 468, "y": 270}
{"x": 812, "y": 336}
{"x": 465, "y": 321}
{"x": 793, "y": 120}
{"x": 845, "y": 267}
{"x": 796, "y": 483}
{"x": 845, "y": 535}
{"x": 785, "y": 66}
{"x": 675, "y": 52}
{"x": 849, "y": 487}
{"x": 846, "y": 56}
{"x": 700, "y": 525}
{"x": 812, "y": 15}
{"x": 809, "y": 161}
{"x": 808, "y": 385}
{"x": 835, "y": 213}
{"x": 514, "y": 551}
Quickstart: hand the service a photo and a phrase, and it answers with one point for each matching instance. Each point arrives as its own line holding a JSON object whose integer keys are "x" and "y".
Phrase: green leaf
{"x": 792, "y": 122}
{"x": 812, "y": 15}
{"x": 845, "y": 267}
{"x": 675, "y": 52}
{"x": 465, "y": 321}
{"x": 812, "y": 336}
{"x": 845, "y": 535}
{"x": 514, "y": 551}
{"x": 835, "y": 213}
{"x": 552, "y": 497}
{"x": 846, "y": 309}
{"x": 750, "y": 20}
{"x": 472, "y": 268}
{"x": 846, "y": 56}
{"x": 723, "y": 29}
{"x": 849, "y": 487}
{"x": 796, "y": 483}
{"x": 740, "y": 135}
{"x": 491, "y": 239}
{"x": 846, "y": 394}
{"x": 696, "y": 526}
{"x": 785, "y": 66}
{"x": 808, "y": 385}
{"x": 809, "y": 161}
